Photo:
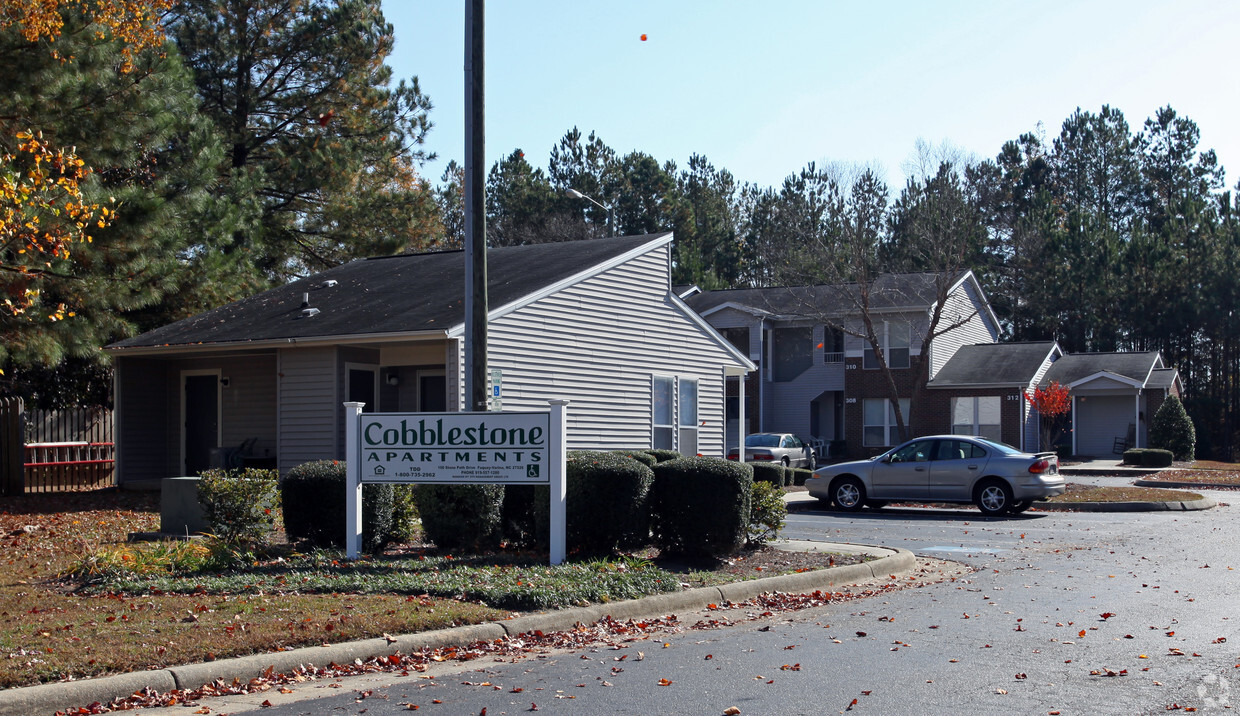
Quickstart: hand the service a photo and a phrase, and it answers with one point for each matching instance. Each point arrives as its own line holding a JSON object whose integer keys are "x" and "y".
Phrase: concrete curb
{"x": 1204, "y": 503}
{"x": 49, "y": 698}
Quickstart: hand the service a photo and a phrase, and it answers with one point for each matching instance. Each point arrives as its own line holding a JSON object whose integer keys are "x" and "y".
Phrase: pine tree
{"x": 132, "y": 119}
{"x": 319, "y": 142}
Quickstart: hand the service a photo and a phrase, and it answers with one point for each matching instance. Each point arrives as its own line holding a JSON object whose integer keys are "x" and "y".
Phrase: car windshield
{"x": 762, "y": 441}
{"x": 1000, "y": 447}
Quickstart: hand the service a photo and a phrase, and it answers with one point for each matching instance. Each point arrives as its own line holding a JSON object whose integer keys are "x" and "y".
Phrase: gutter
{"x": 276, "y": 343}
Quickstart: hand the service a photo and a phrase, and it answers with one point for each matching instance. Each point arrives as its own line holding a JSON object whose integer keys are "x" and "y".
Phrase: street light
{"x": 611, "y": 224}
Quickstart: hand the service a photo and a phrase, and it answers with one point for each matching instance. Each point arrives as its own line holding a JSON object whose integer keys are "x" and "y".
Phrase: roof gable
{"x": 1078, "y": 368}
{"x": 992, "y": 364}
{"x": 396, "y": 295}
{"x": 888, "y": 292}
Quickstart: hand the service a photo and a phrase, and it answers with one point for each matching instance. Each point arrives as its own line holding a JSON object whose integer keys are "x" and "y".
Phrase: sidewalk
{"x": 49, "y": 698}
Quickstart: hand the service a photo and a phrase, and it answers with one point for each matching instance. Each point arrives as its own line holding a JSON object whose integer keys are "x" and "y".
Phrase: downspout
{"x": 1074, "y": 402}
{"x": 762, "y": 369}
{"x": 740, "y": 422}
{"x": 1136, "y": 421}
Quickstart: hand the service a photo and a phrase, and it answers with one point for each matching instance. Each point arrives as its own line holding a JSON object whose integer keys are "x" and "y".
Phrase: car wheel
{"x": 875, "y": 504}
{"x": 848, "y": 494}
{"x": 784, "y": 461}
{"x": 1021, "y": 505}
{"x": 994, "y": 497}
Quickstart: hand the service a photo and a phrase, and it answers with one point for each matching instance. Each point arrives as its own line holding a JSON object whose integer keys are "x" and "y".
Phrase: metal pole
{"x": 352, "y": 481}
{"x": 475, "y": 213}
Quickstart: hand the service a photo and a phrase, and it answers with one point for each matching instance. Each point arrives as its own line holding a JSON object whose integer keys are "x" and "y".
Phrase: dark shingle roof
{"x": 888, "y": 291}
{"x": 1073, "y": 367}
{"x": 392, "y": 294}
{"x": 993, "y": 364}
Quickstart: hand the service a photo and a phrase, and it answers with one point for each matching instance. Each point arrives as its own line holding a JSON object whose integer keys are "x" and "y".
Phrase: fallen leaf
{"x": 665, "y": 682}
{"x": 731, "y": 711}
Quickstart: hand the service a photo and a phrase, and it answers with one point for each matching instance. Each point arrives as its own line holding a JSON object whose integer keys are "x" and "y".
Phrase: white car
{"x": 784, "y": 448}
{"x": 997, "y": 477}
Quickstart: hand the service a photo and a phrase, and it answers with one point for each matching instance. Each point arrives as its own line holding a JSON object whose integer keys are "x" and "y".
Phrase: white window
{"x": 878, "y": 420}
{"x": 688, "y": 417}
{"x": 894, "y": 339}
{"x": 977, "y": 416}
{"x": 663, "y": 413}
{"x": 674, "y": 414}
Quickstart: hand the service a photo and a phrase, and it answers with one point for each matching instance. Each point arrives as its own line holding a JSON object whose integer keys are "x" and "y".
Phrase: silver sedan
{"x": 998, "y": 478}
{"x": 784, "y": 448}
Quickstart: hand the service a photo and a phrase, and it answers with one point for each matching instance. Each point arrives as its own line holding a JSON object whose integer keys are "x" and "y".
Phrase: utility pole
{"x": 475, "y": 213}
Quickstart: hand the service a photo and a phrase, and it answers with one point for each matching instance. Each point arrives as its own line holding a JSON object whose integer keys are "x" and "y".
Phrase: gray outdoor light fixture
{"x": 611, "y": 223}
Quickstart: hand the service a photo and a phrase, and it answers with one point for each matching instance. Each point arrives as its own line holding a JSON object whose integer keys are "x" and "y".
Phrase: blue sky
{"x": 764, "y": 88}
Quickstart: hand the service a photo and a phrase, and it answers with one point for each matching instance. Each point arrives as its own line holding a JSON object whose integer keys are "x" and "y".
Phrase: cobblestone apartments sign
{"x": 456, "y": 448}
{"x": 524, "y": 448}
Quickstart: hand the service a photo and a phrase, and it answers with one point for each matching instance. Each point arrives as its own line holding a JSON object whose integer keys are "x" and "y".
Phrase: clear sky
{"x": 762, "y": 88}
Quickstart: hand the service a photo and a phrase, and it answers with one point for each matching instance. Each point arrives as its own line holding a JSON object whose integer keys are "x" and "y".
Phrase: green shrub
{"x": 700, "y": 505}
{"x": 607, "y": 502}
{"x": 771, "y": 472}
{"x": 642, "y": 456}
{"x": 663, "y": 455}
{"x": 461, "y": 516}
{"x": 240, "y": 506}
{"x": 406, "y": 524}
{"x": 526, "y": 516}
{"x": 1133, "y": 456}
{"x": 800, "y": 475}
{"x": 767, "y": 511}
{"x": 315, "y": 502}
{"x": 1155, "y": 457}
{"x": 1173, "y": 430}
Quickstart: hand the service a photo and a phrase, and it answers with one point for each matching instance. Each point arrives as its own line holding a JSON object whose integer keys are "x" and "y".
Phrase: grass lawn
{"x": 53, "y": 626}
{"x": 1122, "y": 493}
{"x": 1205, "y": 472}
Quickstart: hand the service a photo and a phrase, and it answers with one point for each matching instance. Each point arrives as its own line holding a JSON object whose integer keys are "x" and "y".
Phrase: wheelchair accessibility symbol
{"x": 531, "y": 471}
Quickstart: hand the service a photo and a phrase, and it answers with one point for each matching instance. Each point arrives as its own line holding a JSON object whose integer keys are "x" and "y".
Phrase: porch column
{"x": 1075, "y": 398}
{"x": 1136, "y": 420}
{"x": 740, "y": 421}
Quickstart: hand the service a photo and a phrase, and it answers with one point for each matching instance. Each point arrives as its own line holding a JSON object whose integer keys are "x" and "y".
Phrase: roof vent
{"x": 328, "y": 283}
{"x": 308, "y": 312}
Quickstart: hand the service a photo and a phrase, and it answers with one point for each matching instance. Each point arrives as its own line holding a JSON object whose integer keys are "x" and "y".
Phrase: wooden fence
{"x": 55, "y": 450}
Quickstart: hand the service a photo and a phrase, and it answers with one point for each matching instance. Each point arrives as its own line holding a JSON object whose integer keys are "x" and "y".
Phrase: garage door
{"x": 1099, "y": 420}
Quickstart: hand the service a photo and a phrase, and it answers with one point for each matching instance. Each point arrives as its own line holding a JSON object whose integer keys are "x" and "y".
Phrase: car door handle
{"x": 973, "y": 467}
{"x": 920, "y": 469}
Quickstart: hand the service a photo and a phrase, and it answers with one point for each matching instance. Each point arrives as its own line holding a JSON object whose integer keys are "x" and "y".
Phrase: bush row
{"x": 615, "y": 501}
{"x": 1148, "y": 457}
{"x": 619, "y": 500}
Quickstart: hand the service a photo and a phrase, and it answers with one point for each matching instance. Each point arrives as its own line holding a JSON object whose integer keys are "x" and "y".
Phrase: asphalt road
{"x": 1069, "y": 613}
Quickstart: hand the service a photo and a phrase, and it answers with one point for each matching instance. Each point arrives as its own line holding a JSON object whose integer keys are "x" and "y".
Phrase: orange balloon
{"x": 643, "y": 37}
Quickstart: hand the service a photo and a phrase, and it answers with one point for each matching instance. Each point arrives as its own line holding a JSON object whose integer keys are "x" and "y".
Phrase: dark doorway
{"x": 202, "y": 421}
{"x": 432, "y": 393}
{"x": 362, "y": 388}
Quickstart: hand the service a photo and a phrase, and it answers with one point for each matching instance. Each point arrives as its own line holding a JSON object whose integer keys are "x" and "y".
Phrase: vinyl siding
{"x": 963, "y": 301}
{"x": 308, "y": 398}
{"x": 142, "y": 421}
{"x": 787, "y": 405}
{"x": 597, "y": 344}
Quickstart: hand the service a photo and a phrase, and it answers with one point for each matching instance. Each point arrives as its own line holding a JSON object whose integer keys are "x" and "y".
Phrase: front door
{"x": 432, "y": 392}
{"x": 202, "y": 421}
{"x": 363, "y": 386}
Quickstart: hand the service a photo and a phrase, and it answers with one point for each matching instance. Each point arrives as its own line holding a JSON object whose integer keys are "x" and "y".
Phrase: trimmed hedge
{"x": 1148, "y": 457}
{"x": 461, "y": 516}
{"x": 771, "y": 472}
{"x": 313, "y": 494}
{"x": 642, "y": 456}
{"x": 800, "y": 475}
{"x": 701, "y": 505}
{"x": 608, "y": 502}
{"x": 663, "y": 455}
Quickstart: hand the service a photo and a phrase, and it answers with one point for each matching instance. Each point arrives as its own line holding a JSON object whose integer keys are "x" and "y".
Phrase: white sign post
{"x": 455, "y": 449}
